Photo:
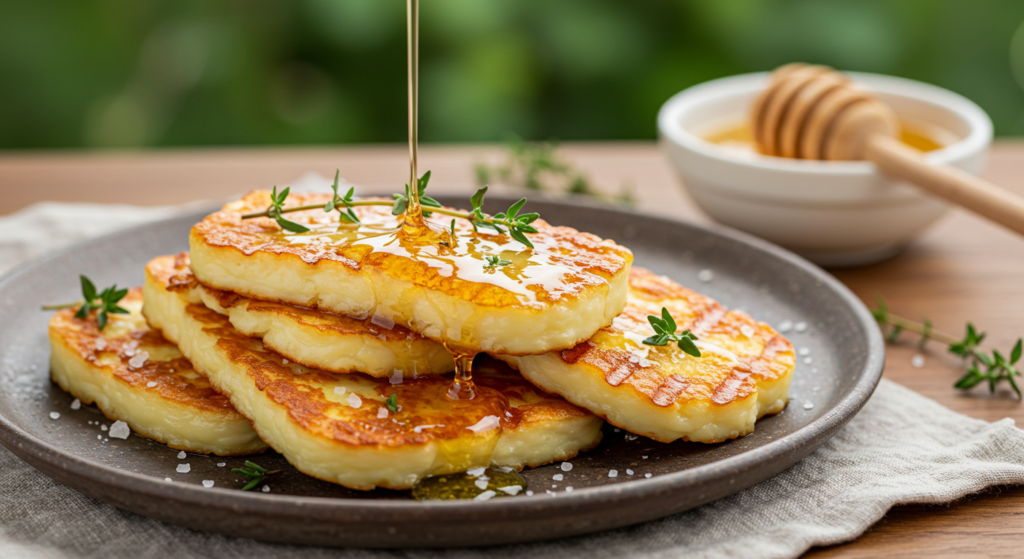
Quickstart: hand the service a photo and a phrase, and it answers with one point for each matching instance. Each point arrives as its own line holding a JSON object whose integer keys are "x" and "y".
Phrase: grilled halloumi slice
{"x": 134, "y": 375}
{"x": 550, "y": 297}
{"x": 339, "y": 428}
{"x": 743, "y": 373}
{"x": 339, "y": 344}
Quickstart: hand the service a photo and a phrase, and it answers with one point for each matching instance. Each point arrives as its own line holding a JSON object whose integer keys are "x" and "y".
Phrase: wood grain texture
{"x": 962, "y": 269}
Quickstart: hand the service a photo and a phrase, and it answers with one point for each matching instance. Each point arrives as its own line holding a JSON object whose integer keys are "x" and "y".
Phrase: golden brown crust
{"x": 114, "y": 349}
{"x": 585, "y": 260}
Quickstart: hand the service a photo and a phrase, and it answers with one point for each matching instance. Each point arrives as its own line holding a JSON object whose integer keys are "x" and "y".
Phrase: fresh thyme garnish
{"x": 665, "y": 332}
{"x": 392, "y": 403}
{"x": 536, "y": 166}
{"x": 254, "y": 472}
{"x": 981, "y": 366}
{"x": 495, "y": 261}
{"x": 105, "y": 302}
{"x": 509, "y": 221}
{"x": 339, "y": 202}
{"x": 277, "y": 208}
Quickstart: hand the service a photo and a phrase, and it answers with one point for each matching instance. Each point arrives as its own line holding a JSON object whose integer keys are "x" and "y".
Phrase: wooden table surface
{"x": 963, "y": 269}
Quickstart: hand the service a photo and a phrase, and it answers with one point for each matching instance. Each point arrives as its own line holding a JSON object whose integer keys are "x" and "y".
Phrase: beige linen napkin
{"x": 901, "y": 448}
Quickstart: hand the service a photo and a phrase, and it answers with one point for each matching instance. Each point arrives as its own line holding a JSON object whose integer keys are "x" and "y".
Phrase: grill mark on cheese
{"x": 738, "y": 383}
{"x": 668, "y": 391}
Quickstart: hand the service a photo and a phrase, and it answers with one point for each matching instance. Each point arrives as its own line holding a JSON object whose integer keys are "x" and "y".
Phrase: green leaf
{"x": 428, "y": 202}
{"x": 252, "y": 484}
{"x": 256, "y": 467}
{"x": 290, "y": 225}
{"x": 657, "y": 323}
{"x": 248, "y": 473}
{"x": 422, "y": 183}
{"x": 688, "y": 347}
{"x": 514, "y": 209}
{"x": 519, "y": 236}
{"x": 670, "y": 323}
{"x": 477, "y": 199}
{"x": 970, "y": 380}
{"x": 896, "y": 329}
{"x": 657, "y": 340}
{"x": 392, "y": 403}
{"x": 101, "y": 319}
{"x": 1016, "y": 353}
{"x": 1013, "y": 384}
{"x": 528, "y": 218}
{"x": 399, "y": 207}
{"x": 88, "y": 289}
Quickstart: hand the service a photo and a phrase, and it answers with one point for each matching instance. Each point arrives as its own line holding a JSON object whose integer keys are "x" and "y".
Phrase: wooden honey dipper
{"x": 815, "y": 112}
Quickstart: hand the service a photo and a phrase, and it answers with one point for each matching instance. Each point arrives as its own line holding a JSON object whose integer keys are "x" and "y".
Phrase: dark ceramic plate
{"x": 840, "y": 357}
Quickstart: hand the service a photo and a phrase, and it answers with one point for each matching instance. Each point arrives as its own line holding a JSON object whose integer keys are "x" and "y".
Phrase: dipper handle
{"x": 981, "y": 197}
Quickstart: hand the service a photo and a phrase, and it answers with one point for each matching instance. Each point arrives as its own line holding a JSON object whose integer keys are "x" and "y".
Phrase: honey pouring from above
{"x": 814, "y": 112}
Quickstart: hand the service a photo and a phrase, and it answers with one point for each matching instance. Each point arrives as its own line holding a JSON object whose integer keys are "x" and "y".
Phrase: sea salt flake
{"x": 420, "y": 428}
{"x": 139, "y": 360}
{"x": 207, "y": 483}
{"x": 481, "y": 483}
{"x": 644, "y": 457}
{"x": 647, "y": 475}
{"x": 100, "y": 437}
{"x": 705, "y": 275}
{"x": 566, "y": 466}
{"x": 396, "y": 378}
{"x": 785, "y": 326}
{"x": 382, "y": 321}
{"x": 568, "y": 489}
{"x": 167, "y": 479}
{"x": 484, "y": 496}
{"x": 485, "y": 424}
{"x": 631, "y": 437}
{"x": 183, "y": 468}
{"x": 285, "y": 361}
{"x": 747, "y": 330}
{"x": 557, "y": 477}
{"x": 629, "y": 472}
{"x": 103, "y": 427}
{"x": 808, "y": 405}
{"x": 76, "y": 404}
{"x": 150, "y": 384}
{"x": 266, "y": 489}
{"x": 101, "y": 344}
{"x": 54, "y": 415}
{"x": 477, "y": 472}
{"x": 917, "y": 361}
{"x": 529, "y": 493}
{"x": 120, "y": 430}
{"x": 800, "y": 327}
{"x": 613, "y": 473}
{"x": 182, "y": 455}
{"x": 382, "y": 413}
{"x": 354, "y": 400}
{"x": 804, "y": 351}
{"x": 808, "y": 360}
{"x": 511, "y": 489}
{"x": 339, "y": 389}
{"x": 221, "y": 464}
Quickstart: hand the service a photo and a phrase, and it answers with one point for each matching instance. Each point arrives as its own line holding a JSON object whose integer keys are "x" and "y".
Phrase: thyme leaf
{"x": 104, "y": 302}
{"x": 665, "y": 331}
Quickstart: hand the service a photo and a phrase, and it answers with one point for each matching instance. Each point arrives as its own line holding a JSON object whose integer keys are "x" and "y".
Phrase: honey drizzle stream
{"x": 414, "y": 227}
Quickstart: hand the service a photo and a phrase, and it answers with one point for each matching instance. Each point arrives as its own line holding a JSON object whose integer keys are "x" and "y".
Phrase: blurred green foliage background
{"x": 131, "y": 73}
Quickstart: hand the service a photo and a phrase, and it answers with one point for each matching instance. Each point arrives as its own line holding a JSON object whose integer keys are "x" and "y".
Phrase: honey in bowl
{"x": 922, "y": 136}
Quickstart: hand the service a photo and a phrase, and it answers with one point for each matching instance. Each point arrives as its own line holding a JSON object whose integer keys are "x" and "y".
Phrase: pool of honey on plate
{"x": 925, "y": 137}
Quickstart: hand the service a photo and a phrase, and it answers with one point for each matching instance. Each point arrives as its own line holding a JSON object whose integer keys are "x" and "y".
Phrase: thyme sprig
{"x": 392, "y": 403}
{"x": 255, "y": 473}
{"x": 510, "y": 221}
{"x": 665, "y": 332}
{"x": 981, "y": 366}
{"x": 104, "y": 302}
{"x": 495, "y": 261}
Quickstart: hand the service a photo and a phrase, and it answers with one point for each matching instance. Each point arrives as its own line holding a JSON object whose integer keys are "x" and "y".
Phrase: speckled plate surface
{"x": 840, "y": 358}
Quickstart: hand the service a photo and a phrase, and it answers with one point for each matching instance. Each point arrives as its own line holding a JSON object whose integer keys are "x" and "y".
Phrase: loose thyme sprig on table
{"x": 105, "y": 302}
{"x": 511, "y": 221}
{"x": 665, "y": 331}
{"x": 255, "y": 473}
{"x": 981, "y": 366}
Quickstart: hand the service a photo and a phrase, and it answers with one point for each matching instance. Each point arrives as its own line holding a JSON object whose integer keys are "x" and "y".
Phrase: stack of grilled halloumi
{"x": 333, "y": 351}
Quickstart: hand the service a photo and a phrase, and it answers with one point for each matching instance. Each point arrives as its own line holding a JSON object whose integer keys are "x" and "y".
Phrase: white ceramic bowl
{"x": 834, "y": 213}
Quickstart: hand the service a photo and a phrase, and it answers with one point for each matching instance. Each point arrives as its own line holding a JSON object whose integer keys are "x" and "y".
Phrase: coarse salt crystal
{"x": 529, "y": 493}
{"x": 54, "y": 415}
{"x": 631, "y": 437}
{"x": 785, "y": 326}
{"x": 339, "y": 389}
{"x": 266, "y": 489}
{"x": 221, "y": 464}
{"x": 804, "y": 351}
{"x": 285, "y": 361}
{"x": 182, "y": 455}
{"x": 705, "y": 275}
{"x": 382, "y": 413}
{"x": 150, "y": 384}
{"x": 207, "y": 483}
{"x": 800, "y": 326}
{"x": 917, "y": 361}
{"x": 481, "y": 483}
{"x": 354, "y": 400}
{"x": 167, "y": 479}
{"x": 382, "y": 321}
{"x": 396, "y": 378}
{"x": 808, "y": 360}
{"x": 76, "y": 404}
{"x": 550, "y": 492}
{"x": 420, "y": 428}
{"x": 485, "y": 424}
{"x": 511, "y": 489}
{"x": 139, "y": 360}
{"x": 566, "y": 466}
{"x": 484, "y": 496}
{"x": 629, "y": 472}
{"x": 101, "y": 344}
{"x": 808, "y": 405}
{"x": 476, "y": 472}
{"x": 557, "y": 477}
{"x": 120, "y": 430}
{"x": 747, "y": 330}
{"x": 613, "y": 473}
{"x": 103, "y": 427}
{"x": 100, "y": 437}
{"x": 183, "y": 468}
{"x": 644, "y": 457}
{"x": 568, "y": 489}
{"x": 647, "y": 475}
